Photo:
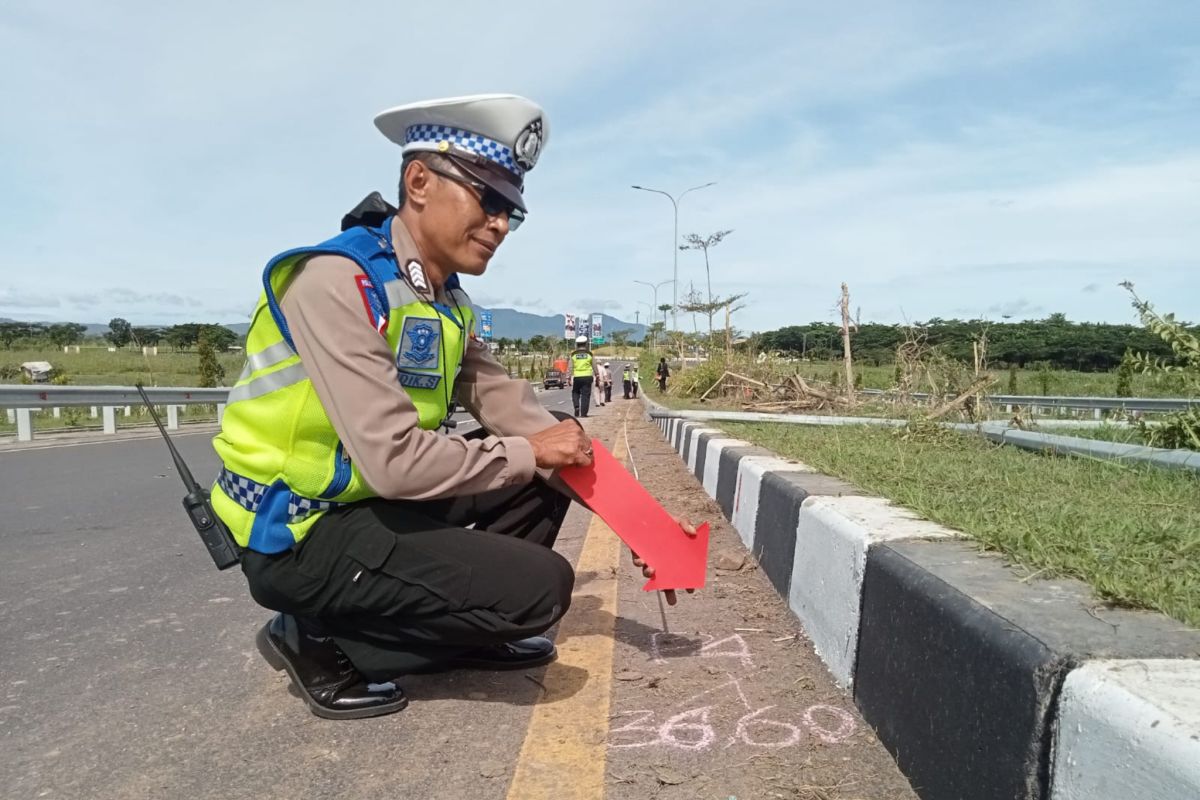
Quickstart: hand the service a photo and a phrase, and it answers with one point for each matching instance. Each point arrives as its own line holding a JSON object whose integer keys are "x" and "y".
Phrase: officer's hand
{"x": 648, "y": 572}
{"x": 562, "y": 445}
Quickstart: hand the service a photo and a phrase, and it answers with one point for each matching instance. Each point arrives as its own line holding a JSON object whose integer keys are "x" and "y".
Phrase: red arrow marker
{"x": 614, "y": 495}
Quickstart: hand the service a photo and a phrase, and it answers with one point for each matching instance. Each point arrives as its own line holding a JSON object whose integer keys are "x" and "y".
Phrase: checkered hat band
{"x": 472, "y": 142}
{"x": 249, "y": 494}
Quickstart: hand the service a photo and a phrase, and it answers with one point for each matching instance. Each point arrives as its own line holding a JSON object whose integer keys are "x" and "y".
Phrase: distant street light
{"x": 639, "y": 311}
{"x": 675, "y": 201}
{"x": 654, "y": 287}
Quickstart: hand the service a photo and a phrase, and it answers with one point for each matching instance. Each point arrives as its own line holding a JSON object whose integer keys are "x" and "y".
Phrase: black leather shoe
{"x": 325, "y": 678}
{"x": 521, "y": 654}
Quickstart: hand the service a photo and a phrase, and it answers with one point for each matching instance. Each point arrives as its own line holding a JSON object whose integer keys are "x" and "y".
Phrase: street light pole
{"x": 654, "y": 288}
{"x": 675, "y": 201}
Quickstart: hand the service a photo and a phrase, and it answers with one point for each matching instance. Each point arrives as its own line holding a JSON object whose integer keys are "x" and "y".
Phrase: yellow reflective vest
{"x": 283, "y": 465}
{"x": 581, "y": 364}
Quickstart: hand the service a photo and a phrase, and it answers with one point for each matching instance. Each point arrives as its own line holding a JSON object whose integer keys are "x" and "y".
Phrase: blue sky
{"x": 962, "y": 159}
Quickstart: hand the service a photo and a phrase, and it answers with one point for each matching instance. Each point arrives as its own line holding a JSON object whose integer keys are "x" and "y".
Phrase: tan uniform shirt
{"x": 353, "y": 371}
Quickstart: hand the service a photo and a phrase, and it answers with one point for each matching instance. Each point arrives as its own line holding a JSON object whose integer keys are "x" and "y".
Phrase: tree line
{"x": 1054, "y": 341}
{"x": 120, "y": 334}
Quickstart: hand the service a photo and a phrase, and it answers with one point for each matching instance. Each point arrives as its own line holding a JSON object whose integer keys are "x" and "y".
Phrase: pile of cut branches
{"x": 792, "y": 393}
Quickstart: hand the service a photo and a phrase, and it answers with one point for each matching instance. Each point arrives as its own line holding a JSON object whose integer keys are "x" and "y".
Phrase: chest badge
{"x": 419, "y": 345}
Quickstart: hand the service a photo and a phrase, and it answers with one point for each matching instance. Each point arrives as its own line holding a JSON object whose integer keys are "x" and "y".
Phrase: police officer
{"x": 583, "y": 370}
{"x": 627, "y": 380}
{"x": 386, "y": 547}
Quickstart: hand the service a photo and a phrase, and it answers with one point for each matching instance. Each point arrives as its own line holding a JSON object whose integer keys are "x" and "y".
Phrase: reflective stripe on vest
{"x": 249, "y": 494}
{"x": 270, "y": 382}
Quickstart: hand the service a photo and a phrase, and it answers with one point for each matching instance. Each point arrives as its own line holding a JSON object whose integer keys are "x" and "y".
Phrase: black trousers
{"x": 628, "y": 388}
{"x": 403, "y": 585}
{"x": 608, "y": 392}
{"x": 635, "y": 388}
{"x": 581, "y": 395}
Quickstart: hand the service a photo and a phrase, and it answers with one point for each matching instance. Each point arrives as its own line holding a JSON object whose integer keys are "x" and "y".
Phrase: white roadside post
{"x": 220, "y": 412}
{"x": 24, "y": 425}
{"x": 110, "y": 419}
{"x": 173, "y": 417}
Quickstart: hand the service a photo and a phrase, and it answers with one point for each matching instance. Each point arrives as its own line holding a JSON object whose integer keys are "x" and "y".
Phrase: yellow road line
{"x": 563, "y": 756}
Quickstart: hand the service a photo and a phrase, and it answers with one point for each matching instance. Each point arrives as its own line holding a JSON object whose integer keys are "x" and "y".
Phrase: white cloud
{"x": 934, "y": 156}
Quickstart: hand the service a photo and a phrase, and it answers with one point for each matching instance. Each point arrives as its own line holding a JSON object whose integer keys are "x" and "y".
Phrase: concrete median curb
{"x": 980, "y": 684}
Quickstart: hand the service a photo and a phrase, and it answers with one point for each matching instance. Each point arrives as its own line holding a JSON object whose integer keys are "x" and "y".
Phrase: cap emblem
{"x": 528, "y": 145}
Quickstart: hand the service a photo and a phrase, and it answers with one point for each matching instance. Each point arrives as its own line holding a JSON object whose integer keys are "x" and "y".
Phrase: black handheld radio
{"x": 216, "y": 537}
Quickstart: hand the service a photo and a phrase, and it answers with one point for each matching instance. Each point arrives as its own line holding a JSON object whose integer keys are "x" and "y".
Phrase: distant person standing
{"x": 627, "y": 380}
{"x": 634, "y": 379}
{"x": 662, "y": 372}
{"x": 583, "y": 370}
{"x": 607, "y": 383}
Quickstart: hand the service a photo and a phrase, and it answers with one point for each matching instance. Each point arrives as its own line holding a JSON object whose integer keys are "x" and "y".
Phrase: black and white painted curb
{"x": 981, "y": 685}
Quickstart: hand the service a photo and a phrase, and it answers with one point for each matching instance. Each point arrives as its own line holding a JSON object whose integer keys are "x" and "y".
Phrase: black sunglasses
{"x": 492, "y": 202}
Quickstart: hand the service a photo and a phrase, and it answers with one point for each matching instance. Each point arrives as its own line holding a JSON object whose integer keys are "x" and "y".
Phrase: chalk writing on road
{"x": 693, "y": 729}
{"x": 699, "y": 727}
{"x": 663, "y": 645}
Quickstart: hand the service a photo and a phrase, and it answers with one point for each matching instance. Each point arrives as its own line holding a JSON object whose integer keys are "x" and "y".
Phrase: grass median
{"x": 1132, "y": 532}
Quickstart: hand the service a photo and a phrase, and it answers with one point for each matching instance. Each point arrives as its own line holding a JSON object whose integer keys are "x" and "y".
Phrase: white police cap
{"x": 581, "y": 340}
{"x": 503, "y": 132}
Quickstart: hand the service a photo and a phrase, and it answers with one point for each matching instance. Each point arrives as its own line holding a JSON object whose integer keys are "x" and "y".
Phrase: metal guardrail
{"x": 998, "y": 432}
{"x": 1153, "y": 404}
{"x": 22, "y": 400}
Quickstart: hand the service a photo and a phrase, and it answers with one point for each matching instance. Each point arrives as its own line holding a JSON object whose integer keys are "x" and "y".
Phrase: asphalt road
{"x": 127, "y": 666}
{"x": 128, "y": 670}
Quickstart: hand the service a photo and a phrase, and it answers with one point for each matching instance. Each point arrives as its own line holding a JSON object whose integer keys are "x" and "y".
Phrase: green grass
{"x": 1133, "y": 533}
{"x": 97, "y": 367}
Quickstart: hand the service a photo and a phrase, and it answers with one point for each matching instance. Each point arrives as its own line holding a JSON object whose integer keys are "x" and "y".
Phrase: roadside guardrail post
{"x": 220, "y": 412}
{"x": 95, "y": 412}
{"x": 129, "y": 411}
{"x": 173, "y": 417}
{"x": 110, "y": 419}
{"x": 24, "y": 425}
{"x": 57, "y": 412}
{"x": 11, "y": 415}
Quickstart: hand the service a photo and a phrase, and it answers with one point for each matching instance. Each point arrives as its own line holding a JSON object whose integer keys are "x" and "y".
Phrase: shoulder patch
{"x": 416, "y": 275}
{"x": 375, "y": 315}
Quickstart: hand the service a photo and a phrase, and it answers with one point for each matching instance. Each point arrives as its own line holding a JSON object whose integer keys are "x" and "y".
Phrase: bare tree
{"x": 729, "y": 304}
{"x": 695, "y": 241}
{"x": 848, "y": 327}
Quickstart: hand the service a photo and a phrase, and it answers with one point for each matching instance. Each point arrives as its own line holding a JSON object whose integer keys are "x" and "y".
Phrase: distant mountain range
{"x": 507, "y": 323}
